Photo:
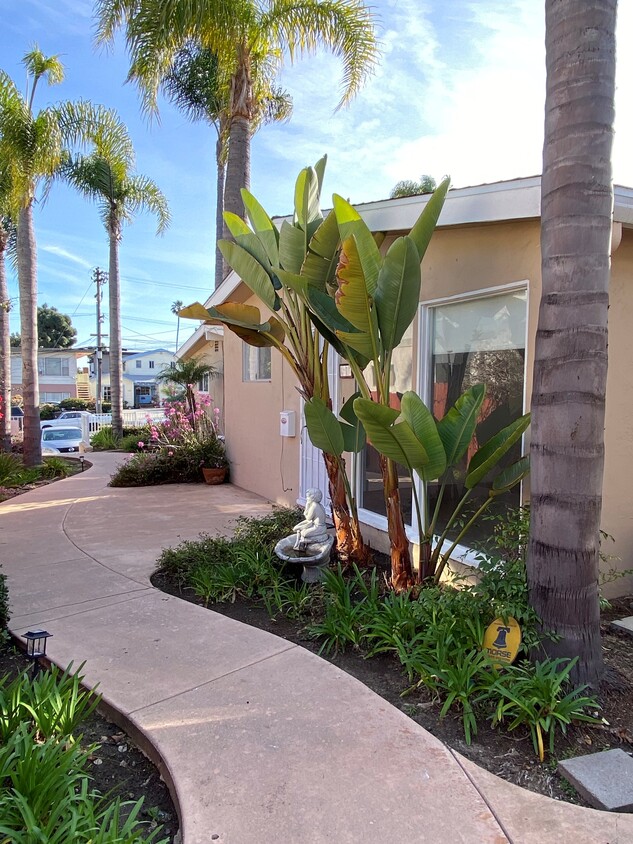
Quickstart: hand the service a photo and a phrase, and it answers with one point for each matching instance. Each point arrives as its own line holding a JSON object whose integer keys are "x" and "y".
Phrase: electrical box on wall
{"x": 287, "y": 423}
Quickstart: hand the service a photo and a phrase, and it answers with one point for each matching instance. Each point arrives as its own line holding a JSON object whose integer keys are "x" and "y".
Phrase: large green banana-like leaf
{"x": 358, "y": 341}
{"x": 353, "y": 300}
{"x": 243, "y": 320}
{"x": 253, "y": 245}
{"x": 319, "y": 265}
{"x": 327, "y": 320}
{"x": 323, "y": 427}
{"x": 247, "y": 315}
{"x": 235, "y": 224}
{"x": 262, "y": 225}
{"x": 351, "y": 224}
{"x": 195, "y": 311}
{"x": 397, "y": 442}
{"x": 292, "y": 247}
{"x": 250, "y": 335}
{"x": 251, "y": 272}
{"x": 421, "y": 421}
{"x": 397, "y": 295}
{"x": 510, "y": 476}
{"x": 491, "y": 452}
{"x": 319, "y": 169}
{"x": 307, "y": 208}
{"x": 425, "y": 225}
{"x": 457, "y": 427}
{"x": 353, "y": 432}
{"x": 294, "y": 282}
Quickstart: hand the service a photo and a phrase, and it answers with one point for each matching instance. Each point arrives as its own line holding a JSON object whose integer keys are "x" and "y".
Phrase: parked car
{"x": 73, "y": 417}
{"x": 63, "y": 441}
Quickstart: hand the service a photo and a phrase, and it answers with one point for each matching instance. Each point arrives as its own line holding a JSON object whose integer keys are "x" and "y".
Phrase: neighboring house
{"x": 477, "y": 319}
{"x": 206, "y": 345}
{"x": 57, "y": 369}
{"x": 140, "y": 388}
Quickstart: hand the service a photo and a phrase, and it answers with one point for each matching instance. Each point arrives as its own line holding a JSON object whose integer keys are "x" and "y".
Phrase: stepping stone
{"x": 604, "y": 779}
{"x": 623, "y": 625}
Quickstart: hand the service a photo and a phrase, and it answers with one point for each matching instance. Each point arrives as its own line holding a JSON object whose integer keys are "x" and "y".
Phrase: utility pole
{"x": 100, "y": 278}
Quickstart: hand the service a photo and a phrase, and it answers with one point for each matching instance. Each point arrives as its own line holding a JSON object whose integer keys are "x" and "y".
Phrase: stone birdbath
{"x": 310, "y": 544}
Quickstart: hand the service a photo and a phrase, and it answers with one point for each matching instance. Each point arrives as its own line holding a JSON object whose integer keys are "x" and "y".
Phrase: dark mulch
{"x": 510, "y": 756}
{"x": 118, "y": 767}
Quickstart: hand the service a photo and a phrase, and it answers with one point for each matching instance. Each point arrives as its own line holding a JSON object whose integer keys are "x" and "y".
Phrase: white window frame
{"x": 423, "y": 334}
{"x": 139, "y": 364}
{"x": 151, "y": 364}
{"x": 246, "y": 352}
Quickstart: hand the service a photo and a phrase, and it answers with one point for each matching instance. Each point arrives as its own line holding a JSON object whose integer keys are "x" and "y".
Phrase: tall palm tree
{"x": 31, "y": 150}
{"x": 570, "y": 368}
{"x": 244, "y": 36}
{"x": 196, "y": 86}
{"x": 186, "y": 374}
{"x": 176, "y": 307}
{"x": 106, "y": 176}
{"x": 7, "y": 230}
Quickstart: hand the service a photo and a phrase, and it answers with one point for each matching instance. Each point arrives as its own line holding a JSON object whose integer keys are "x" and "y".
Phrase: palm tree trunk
{"x": 401, "y": 569}
{"x": 221, "y": 268}
{"x": 570, "y": 368}
{"x": 238, "y": 166}
{"x": 27, "y": 283}
{"x": 116, "y": 352}
{"x": 5, "y": 350}
{"x": 349, "y": 539}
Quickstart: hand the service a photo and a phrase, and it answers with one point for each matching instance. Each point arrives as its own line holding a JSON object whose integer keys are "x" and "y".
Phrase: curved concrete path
{"x": 259, "y": 739}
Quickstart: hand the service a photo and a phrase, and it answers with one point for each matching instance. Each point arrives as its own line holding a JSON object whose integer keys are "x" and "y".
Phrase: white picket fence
{"x": 131, "y": 418}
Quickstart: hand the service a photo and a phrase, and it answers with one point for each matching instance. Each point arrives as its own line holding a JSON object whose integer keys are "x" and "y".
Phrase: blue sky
{"x": 459, "y": 90}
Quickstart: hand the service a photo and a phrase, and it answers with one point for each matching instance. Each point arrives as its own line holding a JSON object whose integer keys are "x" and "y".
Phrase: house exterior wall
{"x": 63, "y": 385}
{"x": 261, "y": 460}
{"x": 460, "y": 260}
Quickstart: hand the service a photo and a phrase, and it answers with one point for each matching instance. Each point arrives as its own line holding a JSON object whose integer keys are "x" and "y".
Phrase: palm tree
{"x": 186, "y": 374}
{"x": 195, "y": 85}
{"x": 31, "y": 149}
{"x": 244, "y": 36}
{"x": 570, "y": 368}
{"x": 175, "y": 308}
{"x": 7, "y": 230}
{"x": 106, "y": 176}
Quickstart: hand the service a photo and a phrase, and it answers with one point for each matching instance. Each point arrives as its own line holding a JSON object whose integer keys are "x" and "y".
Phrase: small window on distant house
{"x": 107, "y": 393}
{"x": 151, "y": 364}
{"x": 255, "y": 363}
{"x": 139, "y": 364}
{"x": 203, "y": 383}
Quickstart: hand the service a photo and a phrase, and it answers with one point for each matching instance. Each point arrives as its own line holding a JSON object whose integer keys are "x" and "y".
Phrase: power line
{"x": 173, "y": 285}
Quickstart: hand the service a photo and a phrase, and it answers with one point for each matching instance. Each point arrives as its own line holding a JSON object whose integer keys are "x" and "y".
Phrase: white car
{"x": 63, "y": 441}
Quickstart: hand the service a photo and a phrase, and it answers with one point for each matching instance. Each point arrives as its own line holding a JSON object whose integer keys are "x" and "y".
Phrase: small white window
{"x": 107, "y": 393}
{"x": 139, "y": 364}
{"x": 255, "y": 363}
{"x": 203, "y": 383}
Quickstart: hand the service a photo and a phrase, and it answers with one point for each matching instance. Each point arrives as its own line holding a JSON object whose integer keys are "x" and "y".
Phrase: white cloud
{"x": 64, "y": 253}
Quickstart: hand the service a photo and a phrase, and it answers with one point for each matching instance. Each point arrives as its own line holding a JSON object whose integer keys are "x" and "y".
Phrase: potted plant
{"x": 214, "y": 464}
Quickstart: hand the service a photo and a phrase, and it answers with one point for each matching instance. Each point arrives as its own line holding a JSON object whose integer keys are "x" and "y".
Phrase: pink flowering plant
{"x": 176, "y": 448}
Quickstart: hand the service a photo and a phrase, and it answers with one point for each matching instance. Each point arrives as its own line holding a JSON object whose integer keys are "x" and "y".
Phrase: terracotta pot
{"x": 214, "y": 476}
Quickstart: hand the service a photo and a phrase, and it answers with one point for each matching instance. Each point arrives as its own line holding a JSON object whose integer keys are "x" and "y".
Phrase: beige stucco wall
{"x": 459, "y": 260}
{"x": 261, "y": 460}
{"x": 617, "y": 502}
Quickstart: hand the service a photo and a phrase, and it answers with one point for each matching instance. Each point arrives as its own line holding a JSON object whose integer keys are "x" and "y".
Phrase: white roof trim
{"x": 517, "y": 199}
{"x": 206, "y": 332}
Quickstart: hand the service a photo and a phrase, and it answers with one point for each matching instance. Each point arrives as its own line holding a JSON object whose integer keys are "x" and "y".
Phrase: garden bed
{"x": 117, "y": 767}
{"x": 72, "y": 467}
{"x": 510, "y": 755}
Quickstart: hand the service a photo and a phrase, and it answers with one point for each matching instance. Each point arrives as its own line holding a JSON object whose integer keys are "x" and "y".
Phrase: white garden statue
{"x": 313, "y": 527}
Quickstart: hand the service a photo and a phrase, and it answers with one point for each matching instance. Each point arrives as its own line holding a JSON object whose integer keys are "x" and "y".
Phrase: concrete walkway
{"x": 259, "y": 739}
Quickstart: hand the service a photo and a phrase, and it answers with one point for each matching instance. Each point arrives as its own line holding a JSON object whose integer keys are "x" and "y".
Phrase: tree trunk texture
{"x": 5, "y": 350}
{"x": 221, "y": 268}
{"x": 116, "y": 351}
{"x": 349, "y": 539}
{"x": 401, "y": 568}
{"x": 570, "y": 367}
{"x": 27, "y": 284}
{"x": 238, "y": 165}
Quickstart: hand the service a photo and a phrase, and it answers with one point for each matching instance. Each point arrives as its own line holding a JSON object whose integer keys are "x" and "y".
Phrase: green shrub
{"x": 74, "y": 404}
{"x": 104, "y": 439}
{"x": 56, "y": 467}
{"x": 207, "y": 550}
{"x": 266, "y": 531}
{"x": 10, "y": 467}
{"x": 48, "y": 411}
{"x": 169, "y": 465}
{"x": 130, "y": 442}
